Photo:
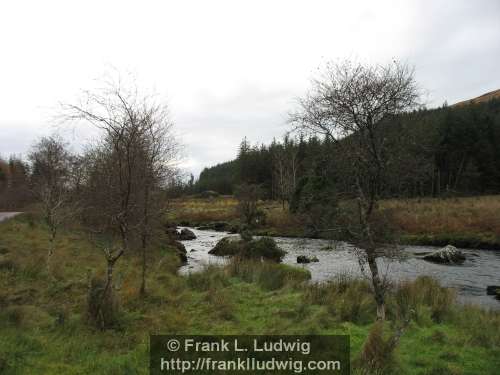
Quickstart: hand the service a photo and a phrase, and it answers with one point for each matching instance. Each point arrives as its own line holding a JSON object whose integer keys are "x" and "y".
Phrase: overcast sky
{"x": 229, "y": 69}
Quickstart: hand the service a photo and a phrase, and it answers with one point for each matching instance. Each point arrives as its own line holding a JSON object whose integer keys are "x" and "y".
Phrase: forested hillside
{"x": 449, "y": 150}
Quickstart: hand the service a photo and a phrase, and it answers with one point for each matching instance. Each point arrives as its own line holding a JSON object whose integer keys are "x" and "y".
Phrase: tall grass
{"x": 201, "y": 210}
{"x": 268, "y": 275}
{"x": 422, "y": 299}
{"x": 43, "y": 329}
{"x": 445, "y": 216}
{"x": 347, "y": 298}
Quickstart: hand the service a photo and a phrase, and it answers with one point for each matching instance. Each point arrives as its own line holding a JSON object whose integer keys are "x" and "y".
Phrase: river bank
{"x": 337, "y": 258}
{"x": 467, "y": 222}
{"x": 44, "y": 329}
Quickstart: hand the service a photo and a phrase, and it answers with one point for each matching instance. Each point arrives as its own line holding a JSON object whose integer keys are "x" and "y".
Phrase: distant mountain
{"x": 480, "y": 99}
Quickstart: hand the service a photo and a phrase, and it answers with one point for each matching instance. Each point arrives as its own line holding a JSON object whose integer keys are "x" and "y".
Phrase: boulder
{"x": 186, "y": 235}
{"x": 227, "y": 246}
{"x": 447, "y": 255}
{"x": 306, "y": 259}
{"x": 181, "y": 251}
{"x": 263, "y": 248}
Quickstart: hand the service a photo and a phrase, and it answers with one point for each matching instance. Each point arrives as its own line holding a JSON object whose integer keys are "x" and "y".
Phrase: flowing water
{"x": 481, "y": 268}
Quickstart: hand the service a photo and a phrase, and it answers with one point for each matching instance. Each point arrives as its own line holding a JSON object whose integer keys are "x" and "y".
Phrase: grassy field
{"x": 43, "y": 328}
{"x": 465, "y": 222}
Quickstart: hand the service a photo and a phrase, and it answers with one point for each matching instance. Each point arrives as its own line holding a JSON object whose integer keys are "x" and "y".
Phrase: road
{"x": 7, "y": 215}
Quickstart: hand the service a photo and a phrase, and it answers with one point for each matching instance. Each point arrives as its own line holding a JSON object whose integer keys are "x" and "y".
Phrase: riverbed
{"x": 481, "y": 268}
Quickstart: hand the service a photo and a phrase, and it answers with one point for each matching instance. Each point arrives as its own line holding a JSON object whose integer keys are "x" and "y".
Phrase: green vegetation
{"x": 44, "y": 329}
{"x": 264, "y": 247}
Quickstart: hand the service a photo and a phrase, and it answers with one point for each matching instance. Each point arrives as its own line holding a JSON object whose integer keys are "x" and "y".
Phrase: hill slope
{"x": 480, "y": 99}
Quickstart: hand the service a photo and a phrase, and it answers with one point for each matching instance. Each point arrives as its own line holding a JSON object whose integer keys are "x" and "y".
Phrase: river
{"x": 481, "y": 268}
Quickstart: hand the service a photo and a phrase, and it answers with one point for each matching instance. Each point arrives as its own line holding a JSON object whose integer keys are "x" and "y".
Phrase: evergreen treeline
{"x": 449, "y": 150}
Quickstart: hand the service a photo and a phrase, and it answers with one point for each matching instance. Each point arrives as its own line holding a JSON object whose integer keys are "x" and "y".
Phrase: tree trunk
{"x": 143, "y": 277}
{"x": 51, "y": 251}
{"x": 377, "y": 286}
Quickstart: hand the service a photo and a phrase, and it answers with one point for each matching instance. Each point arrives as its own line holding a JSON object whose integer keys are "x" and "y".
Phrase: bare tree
{"x": 128, "y": 167}
{"x": 113, "y": 109}
{"x": 348, "y": 104}
{"x": 248, "y": 196}
{"x": 160, "y": 154}
{"x": 51, "y": 164}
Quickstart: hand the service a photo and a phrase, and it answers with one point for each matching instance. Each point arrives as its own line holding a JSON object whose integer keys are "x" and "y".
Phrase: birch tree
{"x": 347, "y": 104}
{"x": 51, "y": 164}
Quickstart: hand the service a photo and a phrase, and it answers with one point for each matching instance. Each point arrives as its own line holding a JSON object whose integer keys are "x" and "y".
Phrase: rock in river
{"x": 447, "y": 255}
{"x": 493, "y": 290}
{"x": 306, "y": 259}
{"x": 227, "y": 246}
{"x": 187, "y": 234}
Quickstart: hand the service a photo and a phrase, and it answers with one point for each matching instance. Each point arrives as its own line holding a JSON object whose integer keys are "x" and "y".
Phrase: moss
{"x": 264, "y": 247}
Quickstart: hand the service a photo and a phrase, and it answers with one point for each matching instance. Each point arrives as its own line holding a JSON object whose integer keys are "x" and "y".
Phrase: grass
{"x": 43, "y": 328}
{"x": 471, "y": 222}
{"x": 199, "y": 211}
{"x": 465, "y": 222}
{"x": 195, "y": 211}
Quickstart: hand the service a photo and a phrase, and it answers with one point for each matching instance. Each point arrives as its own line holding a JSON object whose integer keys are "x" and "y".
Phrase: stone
{"x": 306, "y": 259}
{"x": 186, "y": 235}
{"x": 227, "y": 246}
{"x": 493, "y": 290}
{"x": 447, "y": 255}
